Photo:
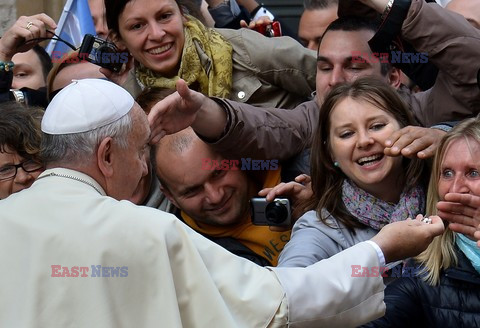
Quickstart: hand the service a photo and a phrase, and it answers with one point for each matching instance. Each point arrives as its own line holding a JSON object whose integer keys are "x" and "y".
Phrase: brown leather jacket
{"x": 452, "y": 44}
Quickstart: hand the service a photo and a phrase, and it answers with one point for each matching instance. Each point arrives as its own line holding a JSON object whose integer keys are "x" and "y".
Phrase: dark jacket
{"x": 455, "y": 302}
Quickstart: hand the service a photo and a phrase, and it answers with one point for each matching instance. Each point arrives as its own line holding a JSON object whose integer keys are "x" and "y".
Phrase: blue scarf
{"x": 470, "y": 249}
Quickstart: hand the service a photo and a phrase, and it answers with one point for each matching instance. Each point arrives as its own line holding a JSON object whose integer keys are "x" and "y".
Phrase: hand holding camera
{"x": 26, "y": 28}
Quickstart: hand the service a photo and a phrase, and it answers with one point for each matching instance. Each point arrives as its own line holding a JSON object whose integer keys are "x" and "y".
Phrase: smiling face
{"x": 357, "y": 135}
{"x": 216, "y": 197}
{"x": 336, "y": 62}
{"x": 459, "y": 169}
{"x": 153, "y": 33}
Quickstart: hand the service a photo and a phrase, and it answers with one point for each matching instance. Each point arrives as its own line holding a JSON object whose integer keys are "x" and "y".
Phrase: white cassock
{"x": 147, "y": 269}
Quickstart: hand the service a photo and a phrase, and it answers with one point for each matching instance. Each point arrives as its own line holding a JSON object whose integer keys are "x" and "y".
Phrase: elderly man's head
{"x": 94, "y": 126}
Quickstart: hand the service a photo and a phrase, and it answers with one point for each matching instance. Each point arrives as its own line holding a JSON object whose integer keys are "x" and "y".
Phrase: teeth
{"x": 362, "y": 160}
{"x": 159, "y": 50}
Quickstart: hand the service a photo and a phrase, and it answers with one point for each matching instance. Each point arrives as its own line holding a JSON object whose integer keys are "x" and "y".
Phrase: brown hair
{"x": 150, "y": 96}
{"x": 20, "y": 129}
{"x": 114, "y": 8}
{"x": 327, "y": 180}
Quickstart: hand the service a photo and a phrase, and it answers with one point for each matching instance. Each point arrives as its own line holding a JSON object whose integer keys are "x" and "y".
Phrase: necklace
{"x": 53, "y": 174}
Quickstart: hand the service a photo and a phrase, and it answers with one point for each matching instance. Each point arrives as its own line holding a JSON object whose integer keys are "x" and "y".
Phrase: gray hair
{"x": 318, "y": 4}
{"x": 79, "y": 148}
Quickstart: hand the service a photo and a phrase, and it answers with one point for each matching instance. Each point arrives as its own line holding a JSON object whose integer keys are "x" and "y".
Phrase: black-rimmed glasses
{"x": 10, "y": 171}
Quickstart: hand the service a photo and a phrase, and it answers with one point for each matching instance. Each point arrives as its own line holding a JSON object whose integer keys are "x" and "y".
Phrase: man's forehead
{"x": 345, "y": 41}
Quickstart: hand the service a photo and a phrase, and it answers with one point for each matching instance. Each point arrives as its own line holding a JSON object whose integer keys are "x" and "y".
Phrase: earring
{"x": 336, "y": 164}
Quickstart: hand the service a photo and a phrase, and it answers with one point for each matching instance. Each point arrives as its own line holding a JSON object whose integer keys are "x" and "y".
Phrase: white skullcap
{"x": 85, "y": 105}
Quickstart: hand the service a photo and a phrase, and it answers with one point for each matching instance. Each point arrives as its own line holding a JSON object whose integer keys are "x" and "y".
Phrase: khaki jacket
{"x": 270, "y": 72}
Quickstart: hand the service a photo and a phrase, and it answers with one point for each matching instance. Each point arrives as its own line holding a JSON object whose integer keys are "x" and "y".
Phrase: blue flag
{"x": 75, "y": 22}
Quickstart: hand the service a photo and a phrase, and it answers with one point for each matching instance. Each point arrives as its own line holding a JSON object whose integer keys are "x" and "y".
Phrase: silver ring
{"x": 29, "y": 25}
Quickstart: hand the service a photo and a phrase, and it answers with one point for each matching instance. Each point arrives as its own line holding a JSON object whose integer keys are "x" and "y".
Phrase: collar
{"x": 73, "y": 175}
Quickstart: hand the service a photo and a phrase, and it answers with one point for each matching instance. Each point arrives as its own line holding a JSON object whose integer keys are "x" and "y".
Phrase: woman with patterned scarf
{"x": 243, "y": 65}
{"x": 357, "y": 189}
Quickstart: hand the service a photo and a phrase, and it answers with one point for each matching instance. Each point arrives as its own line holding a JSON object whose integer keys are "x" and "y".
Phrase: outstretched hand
{"x": 403, "y": 239}
{"x": 412, "y": 141}
{"x": 176, "y": 112}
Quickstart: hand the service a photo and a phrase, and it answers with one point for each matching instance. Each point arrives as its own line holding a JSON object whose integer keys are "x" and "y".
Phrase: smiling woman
{"x": 167, "y": 43}
{"x": 357, "y": 189}
{"x": 20, "y": 137}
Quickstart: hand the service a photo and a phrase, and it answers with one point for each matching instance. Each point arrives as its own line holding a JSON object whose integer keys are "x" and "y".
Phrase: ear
{"x": 117, "y": 39}
{"x": 394, "y": 77}
{"x": 169, "y": 195}
{"x": 105, "y": 157}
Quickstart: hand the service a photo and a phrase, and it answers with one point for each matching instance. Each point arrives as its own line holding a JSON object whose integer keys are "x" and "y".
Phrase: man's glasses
{"x": 10, "y": 171}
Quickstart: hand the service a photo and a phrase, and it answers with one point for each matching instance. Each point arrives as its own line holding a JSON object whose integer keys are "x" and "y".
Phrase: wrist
{"x": 4, "y": 56}
{"x": 211, "y": 120}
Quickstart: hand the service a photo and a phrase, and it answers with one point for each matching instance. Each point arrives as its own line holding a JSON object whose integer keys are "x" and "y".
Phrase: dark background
{"x": 288, "y": 11}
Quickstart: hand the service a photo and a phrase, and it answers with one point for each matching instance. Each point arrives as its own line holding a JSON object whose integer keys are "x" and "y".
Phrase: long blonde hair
{"x": 440, "y": 254}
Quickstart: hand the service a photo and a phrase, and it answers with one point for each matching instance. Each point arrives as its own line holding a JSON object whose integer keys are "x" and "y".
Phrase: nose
{"x": 312, "y": 45}
{"x": 23, "y": 178}
{"x": 15, "y": 84}
{"x": 364, "y": 139}
{"x": 459, "y": 185}
{"x": 155, "y": 31}
{"x": 101, "y": 29}
{"x": 337, "y": 76}
{"x": 214, "y": 194}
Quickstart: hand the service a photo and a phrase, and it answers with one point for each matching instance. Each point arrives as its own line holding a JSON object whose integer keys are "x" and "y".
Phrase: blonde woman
{"x": 446, "y": 293}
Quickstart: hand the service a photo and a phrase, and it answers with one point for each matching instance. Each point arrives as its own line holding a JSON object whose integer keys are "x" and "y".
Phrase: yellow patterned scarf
{"x": 206, "y": 61}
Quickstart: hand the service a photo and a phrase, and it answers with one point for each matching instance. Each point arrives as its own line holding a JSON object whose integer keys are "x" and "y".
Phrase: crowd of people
{"x": 126, "y": 197}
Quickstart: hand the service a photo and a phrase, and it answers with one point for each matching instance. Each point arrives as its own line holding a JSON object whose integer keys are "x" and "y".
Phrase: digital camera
{"x": 102, "y": 52}
{"x": 275, "y": 213}
{"x": 271, "y": 30}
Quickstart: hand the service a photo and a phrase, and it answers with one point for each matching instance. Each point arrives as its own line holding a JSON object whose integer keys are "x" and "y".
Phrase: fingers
{"x": 465, "y": 199}
{"x": 303, "y": 179}
{"x": 26, "y": 28}
{"x": 413, "y": 141}
{"x": 398, "y": 141}
{"x": 436, "y": 227}
{"x": 463, "y": 229}
{"x": 183, "y": 89}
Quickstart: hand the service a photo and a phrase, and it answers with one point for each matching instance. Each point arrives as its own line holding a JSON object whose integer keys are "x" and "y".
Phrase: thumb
{"x": 183, "y": 89}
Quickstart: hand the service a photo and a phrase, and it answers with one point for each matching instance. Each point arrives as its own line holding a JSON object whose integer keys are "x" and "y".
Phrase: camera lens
{"x": 276, "y": 212}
